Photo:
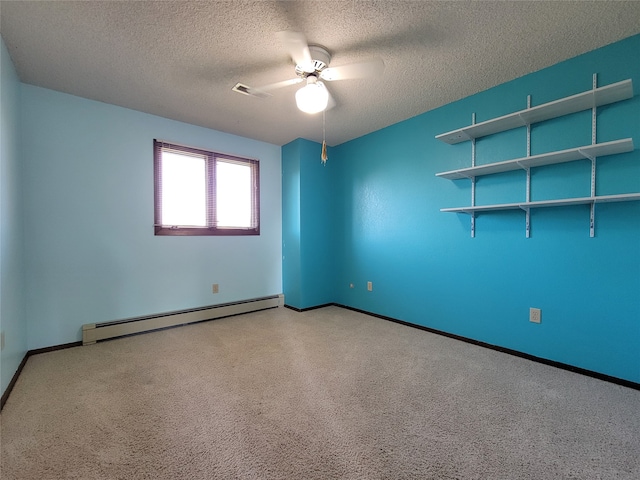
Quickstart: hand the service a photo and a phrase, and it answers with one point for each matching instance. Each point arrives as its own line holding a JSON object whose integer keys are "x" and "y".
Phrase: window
{"x": 204, "y": 193}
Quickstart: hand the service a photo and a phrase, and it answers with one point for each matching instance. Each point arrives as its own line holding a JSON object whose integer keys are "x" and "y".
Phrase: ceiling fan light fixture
{"x": 313, "y": 97}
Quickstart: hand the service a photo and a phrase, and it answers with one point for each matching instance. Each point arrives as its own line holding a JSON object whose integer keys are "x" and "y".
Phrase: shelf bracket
{"x": 594, "y": 136}
{"x": 522, "y": 166}
{"x": 473, "y": 180}
{"x": 593, "y": 176}
{"x": 527, "y": 210}
{"x": 523, "y": 118}
{"x": 528, "y": 192}
{"x": 528, "y": 222}
{"x": 473, "y": 224}
{"x": 528, "y": 128}
{"x": 586, "y": 155}
{"x": 593, "y": 194}
{"x": 584, "y": 101}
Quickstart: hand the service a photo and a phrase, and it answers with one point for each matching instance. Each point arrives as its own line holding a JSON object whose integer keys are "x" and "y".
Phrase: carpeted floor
{"x": 329, "y": 393}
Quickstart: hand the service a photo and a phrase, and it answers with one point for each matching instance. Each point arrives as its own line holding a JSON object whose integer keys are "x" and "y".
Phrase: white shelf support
{"x": 473, "y": 142}
{"x": 528, "y": 200}
{"x": 473, "y": 224}
{"x": 473, "y": 180}
{"x": 593, "y": 112}
{"x": 593, "y": 177}
{"x": 592, "y": 219}
{"x": 528, "y": 128}
{"x": 528, "y": 194}
{"x": 594, "y": 138}
{"x": 589, "y": 100}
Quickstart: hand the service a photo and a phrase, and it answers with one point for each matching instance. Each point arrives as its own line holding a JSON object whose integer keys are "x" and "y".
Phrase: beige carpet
{"x": 324, "y": 394}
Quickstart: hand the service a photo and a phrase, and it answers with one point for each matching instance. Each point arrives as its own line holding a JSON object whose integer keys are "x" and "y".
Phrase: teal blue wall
{"x": 427, "y": 270}
{"x": 309, "y": 213}
{"x": 90, "y": 252}
{"x": 291, "y": 261}
{"x": 12, "y": 314}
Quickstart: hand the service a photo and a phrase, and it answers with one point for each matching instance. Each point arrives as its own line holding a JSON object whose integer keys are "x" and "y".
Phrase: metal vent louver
{"x": 246, "y": 90}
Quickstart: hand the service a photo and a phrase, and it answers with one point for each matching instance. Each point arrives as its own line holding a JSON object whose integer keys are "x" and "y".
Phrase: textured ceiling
{"x": 180, "y": 59}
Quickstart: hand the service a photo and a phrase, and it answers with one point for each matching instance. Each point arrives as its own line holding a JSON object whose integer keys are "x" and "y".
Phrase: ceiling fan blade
{"x": 265, "y": 89}
{"x": 297, "y": 46}
{"x": 367, "y": 68}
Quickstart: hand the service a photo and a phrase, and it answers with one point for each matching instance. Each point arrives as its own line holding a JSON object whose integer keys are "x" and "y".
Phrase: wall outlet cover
{"x": 535, "y": 315}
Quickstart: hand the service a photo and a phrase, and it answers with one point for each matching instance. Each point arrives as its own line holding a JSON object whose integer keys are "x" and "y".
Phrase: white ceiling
{"x": 180, "y": 59}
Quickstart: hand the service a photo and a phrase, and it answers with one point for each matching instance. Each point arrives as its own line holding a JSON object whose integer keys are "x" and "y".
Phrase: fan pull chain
{"x": 324, "y": 156}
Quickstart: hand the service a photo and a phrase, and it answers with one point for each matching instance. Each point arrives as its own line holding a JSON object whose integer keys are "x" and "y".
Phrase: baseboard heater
{"x": 94, "y": 332}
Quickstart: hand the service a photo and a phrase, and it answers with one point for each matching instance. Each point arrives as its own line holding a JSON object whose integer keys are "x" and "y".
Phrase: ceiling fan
{"x": 312, "y": 67}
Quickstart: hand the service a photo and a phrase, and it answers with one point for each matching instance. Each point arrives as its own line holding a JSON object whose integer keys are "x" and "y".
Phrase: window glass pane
{"x": 183, "y": 190}
{"x": 233, "y": 194}
{"x": 195, "y": 188}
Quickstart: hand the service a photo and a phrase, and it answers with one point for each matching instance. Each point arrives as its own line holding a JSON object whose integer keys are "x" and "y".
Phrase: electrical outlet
{"x": 351, "y": 285}
{"x": 370, "y": 286}
{"x": 215, "y": 288}
{"x": 535, "y": 315}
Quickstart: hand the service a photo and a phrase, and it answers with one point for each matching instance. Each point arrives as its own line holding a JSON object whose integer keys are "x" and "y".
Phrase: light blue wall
{"x": 91, "y": 255}
{"x": 12, "y": 315}
{"x": 308, "y": 219}
{"x": 427, "y": 270}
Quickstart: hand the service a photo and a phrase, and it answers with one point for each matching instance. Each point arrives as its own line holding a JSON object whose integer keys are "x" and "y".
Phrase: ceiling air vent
{"x": 246, "y": 90}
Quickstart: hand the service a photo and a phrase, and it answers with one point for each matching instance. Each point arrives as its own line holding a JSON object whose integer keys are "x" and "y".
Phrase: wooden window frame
{"x": 211, "y": 229}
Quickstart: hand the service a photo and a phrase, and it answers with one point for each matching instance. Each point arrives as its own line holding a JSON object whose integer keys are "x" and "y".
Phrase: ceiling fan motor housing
{"x": 320, "y": 59}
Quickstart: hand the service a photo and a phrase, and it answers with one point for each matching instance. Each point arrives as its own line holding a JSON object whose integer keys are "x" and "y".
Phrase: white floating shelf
{"x": 625, "y": 197}
{"x": 562, "y": 156}
{"x": 575, "y": 103}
